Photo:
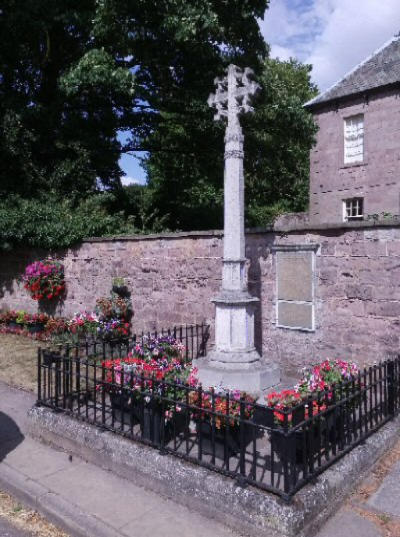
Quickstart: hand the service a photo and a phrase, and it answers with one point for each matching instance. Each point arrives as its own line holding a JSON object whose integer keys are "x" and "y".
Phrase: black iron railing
{"x": 273, "y": 449}
{"x": 193, "y": 337}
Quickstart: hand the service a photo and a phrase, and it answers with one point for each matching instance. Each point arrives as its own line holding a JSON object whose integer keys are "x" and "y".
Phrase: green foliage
{"x": 60, "y": 100}
{"x": 176, "y": 49}
{"x": 279, "y": 137}
{"x": 50, "y": 223}
{"x": 188, "y": 180}
{"x": 74, "y": 73}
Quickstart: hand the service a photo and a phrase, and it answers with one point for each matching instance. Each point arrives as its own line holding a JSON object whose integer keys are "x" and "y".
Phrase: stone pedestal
{"x": 234, "y": 362}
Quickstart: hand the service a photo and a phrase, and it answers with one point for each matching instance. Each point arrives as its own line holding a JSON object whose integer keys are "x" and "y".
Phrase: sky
{"x": 332, "y": 35}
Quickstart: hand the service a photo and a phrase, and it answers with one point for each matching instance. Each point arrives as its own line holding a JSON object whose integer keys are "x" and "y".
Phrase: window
{"x": 354, "y": 139}
{"x": 353, "y": 209}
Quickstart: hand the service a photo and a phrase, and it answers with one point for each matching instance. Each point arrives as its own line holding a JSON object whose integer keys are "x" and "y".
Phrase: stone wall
{"x": 376, "y": 179}
{"x": 172, "y": 278}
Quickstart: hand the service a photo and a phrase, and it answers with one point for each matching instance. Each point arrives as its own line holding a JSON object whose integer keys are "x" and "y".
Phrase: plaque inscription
{"x": 295, "y": 276}
{"x": 294, "y": 315}
{"x": 295, "y": 287}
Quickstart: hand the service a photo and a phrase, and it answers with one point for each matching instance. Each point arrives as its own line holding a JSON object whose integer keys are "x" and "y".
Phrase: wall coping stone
{"x": 289, "y": 228}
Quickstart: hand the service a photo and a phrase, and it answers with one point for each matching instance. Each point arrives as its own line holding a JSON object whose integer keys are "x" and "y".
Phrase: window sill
{"x": 355, "y": 165}
{"x": 354, "y": 219}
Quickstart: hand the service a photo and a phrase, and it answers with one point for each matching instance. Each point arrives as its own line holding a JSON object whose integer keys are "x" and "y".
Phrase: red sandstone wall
{"x": 377, "y": 179}
{"x": 172, "y": 280}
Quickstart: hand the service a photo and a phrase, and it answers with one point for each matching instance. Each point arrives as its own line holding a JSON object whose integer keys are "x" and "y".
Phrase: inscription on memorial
{"x": 295, "y": 286}
{"x": 294, "y": 315}
{"x": 295, "y": 276}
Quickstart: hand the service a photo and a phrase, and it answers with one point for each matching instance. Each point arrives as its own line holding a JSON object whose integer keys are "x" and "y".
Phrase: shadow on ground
{"x": 10, "y": 435}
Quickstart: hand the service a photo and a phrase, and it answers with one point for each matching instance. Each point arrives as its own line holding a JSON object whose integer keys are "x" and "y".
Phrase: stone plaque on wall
{"x": 295, "y": 286}
{"x": 295, "y": 275}
{"x": 295, "y": 315}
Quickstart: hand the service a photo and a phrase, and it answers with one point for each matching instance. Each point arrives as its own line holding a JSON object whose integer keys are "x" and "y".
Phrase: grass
{"x": 18, "y": 361}
{"x": 26, "y": 519}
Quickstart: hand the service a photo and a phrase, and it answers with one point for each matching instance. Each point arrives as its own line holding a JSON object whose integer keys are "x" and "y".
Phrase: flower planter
{"x": 292, "y": 445}
{"x": 121, "y": 290}
{"x": 150, "y": 417}
{"x": 332, "y": 425}
{"x": 226, "y": 441}
{"x": 263, "y": 415}
{"x": 49, "y": 358}
{"x": 35, "y": 328}
{"x": 13, "y": 325}
{"x": 126, "y": 406}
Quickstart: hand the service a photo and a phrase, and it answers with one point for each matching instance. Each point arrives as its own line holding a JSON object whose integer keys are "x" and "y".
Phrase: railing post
{"x": 242, "y": 479}
{"x": 286, "y": 456}
{"x": 391, "y": 388}
{"x": 311, "y": 435}
{"x": 39, "y": 375}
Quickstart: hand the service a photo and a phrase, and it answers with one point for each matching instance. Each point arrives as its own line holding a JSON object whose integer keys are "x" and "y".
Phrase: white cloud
{"x": 333, "y": 35}
{"x": 130, "y": 181}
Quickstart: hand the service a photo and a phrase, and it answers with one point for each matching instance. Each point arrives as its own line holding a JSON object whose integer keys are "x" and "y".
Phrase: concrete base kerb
{"x": 248, "y": 510}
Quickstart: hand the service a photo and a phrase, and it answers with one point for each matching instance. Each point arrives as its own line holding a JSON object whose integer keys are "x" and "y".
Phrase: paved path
{"x": 84, "y": 499}
{"x": 373, "y": 510}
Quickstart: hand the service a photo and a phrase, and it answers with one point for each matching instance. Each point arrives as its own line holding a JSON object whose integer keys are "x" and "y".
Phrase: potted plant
{"x": 10, "y": 319}
{"x": 20, "y": 318}
{"x": 36, "y": 322}
{"x": 114, "y": 307}
{"x": 119, "y": 287}
{"x": 113, "y": 329}
{"x": 290, "y": 410}
{"x": 217, "y": 415}
{"x": 45, "y": 279}
{"x": 148, "y": 390}
{"x": 84, "y": 326}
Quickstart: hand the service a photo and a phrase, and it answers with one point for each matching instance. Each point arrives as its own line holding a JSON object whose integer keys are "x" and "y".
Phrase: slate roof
{"x": 382, "y": 68}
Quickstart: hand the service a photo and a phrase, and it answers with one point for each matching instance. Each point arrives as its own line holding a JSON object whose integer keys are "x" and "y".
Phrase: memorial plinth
{"x": 234, "y": 362}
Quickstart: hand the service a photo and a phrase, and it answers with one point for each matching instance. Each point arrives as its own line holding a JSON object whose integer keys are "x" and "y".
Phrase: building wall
{"x": 173, "y": 277}
{"x": 377, "y": 179}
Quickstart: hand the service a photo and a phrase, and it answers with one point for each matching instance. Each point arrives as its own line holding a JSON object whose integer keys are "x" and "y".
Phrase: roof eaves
{"x": 321, "y": 97}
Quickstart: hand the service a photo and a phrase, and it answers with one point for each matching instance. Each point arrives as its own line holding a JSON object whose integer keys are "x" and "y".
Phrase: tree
{"x": 279, "y": 138}
{"x": 188, "y": 182}
{"x": 176, "y": 49}
{"x": 57, "y": 132}
{"x": 75, "y": 72}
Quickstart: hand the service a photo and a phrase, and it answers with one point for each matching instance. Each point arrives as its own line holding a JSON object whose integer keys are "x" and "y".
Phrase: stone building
{"x": 355, "y": 165}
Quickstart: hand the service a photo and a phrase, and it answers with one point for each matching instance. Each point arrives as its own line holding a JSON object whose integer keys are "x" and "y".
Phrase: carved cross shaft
{"x": 234, "y": 95}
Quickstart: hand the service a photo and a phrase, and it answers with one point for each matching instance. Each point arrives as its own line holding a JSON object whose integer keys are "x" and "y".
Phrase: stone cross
{"x": 234, "y": 361}
{"x": 232, "y": 98}
{"x": 234, "y": 94}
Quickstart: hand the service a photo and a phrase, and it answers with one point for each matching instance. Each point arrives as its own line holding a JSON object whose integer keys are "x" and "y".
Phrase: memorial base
{"x": 253, "y": 377}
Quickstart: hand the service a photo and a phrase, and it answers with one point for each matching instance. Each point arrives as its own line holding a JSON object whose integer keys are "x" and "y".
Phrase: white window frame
{"x": 353, "y": 209}
{"x": 354, "y": 139}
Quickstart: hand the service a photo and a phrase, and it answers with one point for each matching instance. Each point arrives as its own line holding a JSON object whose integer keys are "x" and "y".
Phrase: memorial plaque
{"x": 294, "y": 315}
{"x": 295, "y": 276}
